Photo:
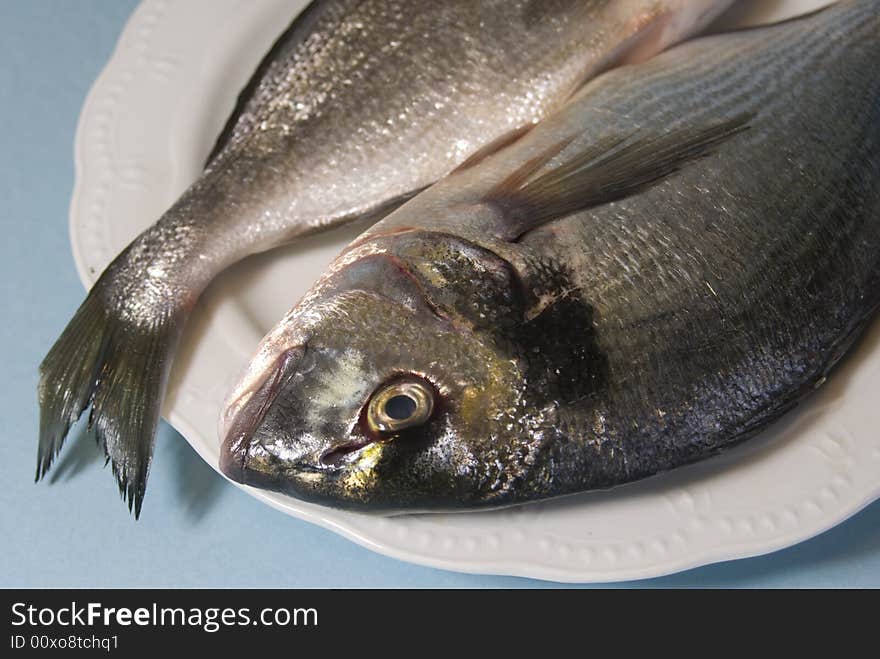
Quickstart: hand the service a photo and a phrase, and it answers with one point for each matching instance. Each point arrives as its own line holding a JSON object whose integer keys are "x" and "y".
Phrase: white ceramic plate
{"x": 146, "y": 127}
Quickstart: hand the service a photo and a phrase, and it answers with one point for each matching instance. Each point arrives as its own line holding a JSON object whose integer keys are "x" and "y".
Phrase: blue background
{"x": 196, "y": 530}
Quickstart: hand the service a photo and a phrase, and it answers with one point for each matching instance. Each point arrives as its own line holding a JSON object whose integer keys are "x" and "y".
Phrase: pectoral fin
{"x": 609, "y": 170}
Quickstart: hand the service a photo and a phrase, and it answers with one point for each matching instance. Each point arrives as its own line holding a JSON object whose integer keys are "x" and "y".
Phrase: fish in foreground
{"x": 651, "y": 275}
{"x": 357, "y": 106}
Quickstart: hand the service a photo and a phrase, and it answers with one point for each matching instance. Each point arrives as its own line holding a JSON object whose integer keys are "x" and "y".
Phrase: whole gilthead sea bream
{"x": 649, "y": 276}
{"x": 360, "y": 104}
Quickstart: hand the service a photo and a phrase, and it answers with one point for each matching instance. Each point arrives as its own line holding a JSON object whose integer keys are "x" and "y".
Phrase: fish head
{"x": 392, "y": 385}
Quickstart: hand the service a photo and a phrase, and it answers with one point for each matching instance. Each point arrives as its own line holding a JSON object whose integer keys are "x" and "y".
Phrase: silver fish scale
{"x": 723, "y": 294}
{"x": 348, "y": 41}
{"x": 379, "y": 101}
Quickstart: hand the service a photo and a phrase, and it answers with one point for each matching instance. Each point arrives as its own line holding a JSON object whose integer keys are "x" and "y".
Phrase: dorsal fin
{"x": 608, "y": 170}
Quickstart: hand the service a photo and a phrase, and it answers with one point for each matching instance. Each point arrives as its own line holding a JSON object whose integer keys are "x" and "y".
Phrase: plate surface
{"x": 146, "y": 127}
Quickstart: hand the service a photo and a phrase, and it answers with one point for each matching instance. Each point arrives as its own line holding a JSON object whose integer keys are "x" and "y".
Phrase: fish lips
{"x": 235, "y": 452}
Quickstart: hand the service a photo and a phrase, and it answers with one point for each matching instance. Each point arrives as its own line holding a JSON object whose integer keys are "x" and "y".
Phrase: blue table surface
{"x": 196, "y": 530}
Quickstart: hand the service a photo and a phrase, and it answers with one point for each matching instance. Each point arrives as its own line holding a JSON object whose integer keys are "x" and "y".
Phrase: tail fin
{"x": 120, "y": 369}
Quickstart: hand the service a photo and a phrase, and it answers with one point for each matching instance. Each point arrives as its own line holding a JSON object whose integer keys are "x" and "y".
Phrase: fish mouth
{"x": 236, "y": 448}
{"x": 245, "y": 459}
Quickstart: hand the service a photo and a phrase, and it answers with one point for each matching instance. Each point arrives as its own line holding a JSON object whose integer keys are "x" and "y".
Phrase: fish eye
{"x": 400, "y": 405}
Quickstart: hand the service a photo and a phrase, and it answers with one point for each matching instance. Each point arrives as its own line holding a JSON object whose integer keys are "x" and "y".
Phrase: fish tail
{"x": 119, "y": 368}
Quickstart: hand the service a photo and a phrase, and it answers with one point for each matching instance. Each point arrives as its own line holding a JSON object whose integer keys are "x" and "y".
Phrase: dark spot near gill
{"x": 564, "y": 359}
{"x": 557, "y": 340}
{"x": 538, "y": 317}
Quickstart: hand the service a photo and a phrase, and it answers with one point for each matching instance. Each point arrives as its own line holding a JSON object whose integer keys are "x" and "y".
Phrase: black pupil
{"x": 400, "y": 407}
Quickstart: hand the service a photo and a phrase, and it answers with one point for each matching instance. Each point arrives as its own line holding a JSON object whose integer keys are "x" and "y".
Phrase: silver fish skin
{"x": 648, "y": 277}
{"x": 360, "y": 104}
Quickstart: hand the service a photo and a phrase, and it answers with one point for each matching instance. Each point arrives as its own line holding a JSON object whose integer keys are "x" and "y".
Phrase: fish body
{"x": 360, "y": 104}
{"x": 647, "y": 277}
